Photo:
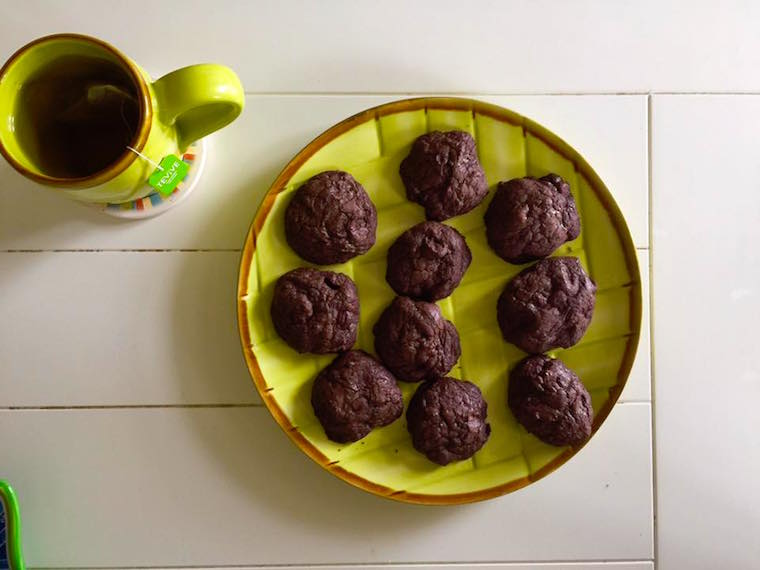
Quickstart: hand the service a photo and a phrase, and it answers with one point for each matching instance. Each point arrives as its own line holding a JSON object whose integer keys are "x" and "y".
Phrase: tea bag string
{"x": 129, "y": 128}
{"x": 141, "y": 155}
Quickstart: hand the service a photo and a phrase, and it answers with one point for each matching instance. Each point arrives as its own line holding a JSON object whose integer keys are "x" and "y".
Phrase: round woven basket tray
{"x": 371, "y": 145}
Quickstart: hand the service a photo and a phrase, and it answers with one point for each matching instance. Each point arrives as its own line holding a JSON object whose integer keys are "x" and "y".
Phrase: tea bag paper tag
{"x": 170, "y": 172}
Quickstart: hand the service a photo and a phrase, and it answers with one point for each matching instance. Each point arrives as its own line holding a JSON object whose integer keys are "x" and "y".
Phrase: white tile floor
{"x": 248, "y": 155}
{"x": 224, "y": 486}
{"x": 169, "y": 318}
{"x": 151, "y": 450}
{"x": 227, "y": 475}
{"x": 706, "y": 222}
{"x": 339, "y": 46}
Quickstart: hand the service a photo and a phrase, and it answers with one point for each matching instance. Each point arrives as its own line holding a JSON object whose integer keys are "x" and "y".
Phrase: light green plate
{"x": 370, "y": 146}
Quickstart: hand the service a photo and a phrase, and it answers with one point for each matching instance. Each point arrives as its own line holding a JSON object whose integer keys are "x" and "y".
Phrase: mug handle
{"x": 198, "y": 100}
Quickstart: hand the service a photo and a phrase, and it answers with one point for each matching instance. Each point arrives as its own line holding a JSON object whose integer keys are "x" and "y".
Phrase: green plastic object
{"x": 10, "y": 530}
{"x": 371, "y": 146}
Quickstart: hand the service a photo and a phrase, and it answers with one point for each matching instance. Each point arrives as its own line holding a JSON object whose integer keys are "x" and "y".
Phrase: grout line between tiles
{"x": 116, "y": 407}
{"x": 455, "y": 93}
{"x": 389, "y": 565}
{"x": 127, "y": 407}
{"x": 125, "y": 250}
{"x": 651, "y": 335}
{"x": 487, "y": 93}
{"x": 154, "y": 250}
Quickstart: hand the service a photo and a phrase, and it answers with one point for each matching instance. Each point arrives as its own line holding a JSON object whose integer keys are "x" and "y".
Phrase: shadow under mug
{"x": 169, "y": 114}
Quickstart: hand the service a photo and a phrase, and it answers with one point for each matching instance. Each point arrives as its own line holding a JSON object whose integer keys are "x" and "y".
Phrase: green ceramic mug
{"x": 74, "y": 104}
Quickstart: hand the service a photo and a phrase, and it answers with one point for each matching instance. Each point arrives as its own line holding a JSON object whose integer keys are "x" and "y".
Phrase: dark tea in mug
{"x": 76, "y": 115}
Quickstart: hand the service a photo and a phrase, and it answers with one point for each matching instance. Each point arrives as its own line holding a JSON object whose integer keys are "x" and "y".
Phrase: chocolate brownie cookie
{"x": 427, "y": 261}
{"x": 354, "y": 395}
{"x": 447, "y": 420}
{"x": 443, "y": 174}
{"x": 547, "y": 305}
{"x": 316, "y": 311}
{"x": 330, "y": 219}
{"x": 414, "y": 340}
{"x": 528, "y": 219}
{"x": 549, "y": 400}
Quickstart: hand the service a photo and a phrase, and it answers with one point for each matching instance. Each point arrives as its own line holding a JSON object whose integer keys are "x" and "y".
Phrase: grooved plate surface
{"x": 371, "y": 146}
